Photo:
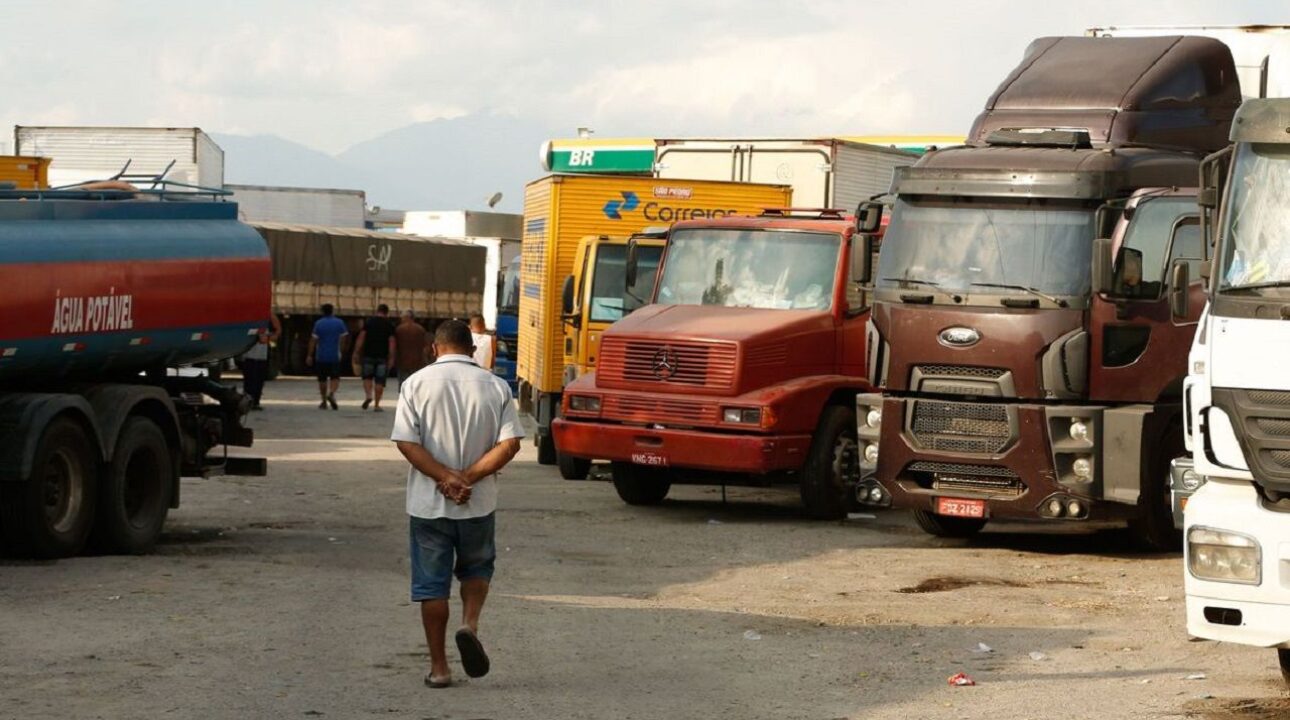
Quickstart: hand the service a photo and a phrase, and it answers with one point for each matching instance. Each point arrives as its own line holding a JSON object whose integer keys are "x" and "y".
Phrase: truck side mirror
{"x": 1180, "y": 289}
{"x": 1103, "y": 268}
{"x": 633, "y": 260}
{"x": 566, "y": 298}
{"x": 868, "y": 217}
{"x": 862, "y": 248}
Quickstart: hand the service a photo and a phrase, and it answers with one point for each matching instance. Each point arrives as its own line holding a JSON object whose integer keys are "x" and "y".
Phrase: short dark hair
{"x": 327, "y": 309}
{"x": 454, "y": 334}
{"x": 383, "y": 309}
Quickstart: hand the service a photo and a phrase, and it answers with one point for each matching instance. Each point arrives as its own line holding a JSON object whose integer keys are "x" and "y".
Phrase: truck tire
{"x": 50, "y": 513}
{"x": 947, "y": 527}
{"x": 1283, "y": 658}
{"x": 547, "y": 454}
{"x": 639, "y": 485}
{"x": 1153, "y": 530}
{"x": 823, "y": 480}
{"x": 134, "y": 496}
{"x": 573, "y": 468}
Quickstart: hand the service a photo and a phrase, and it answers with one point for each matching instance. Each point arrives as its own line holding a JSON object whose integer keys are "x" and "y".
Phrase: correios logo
{"x": 655, "y": 211}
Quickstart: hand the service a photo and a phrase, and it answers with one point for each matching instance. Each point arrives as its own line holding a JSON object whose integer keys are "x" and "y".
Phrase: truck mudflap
{"x": 678, "y": 448}
{"x": 1011, "y": 460}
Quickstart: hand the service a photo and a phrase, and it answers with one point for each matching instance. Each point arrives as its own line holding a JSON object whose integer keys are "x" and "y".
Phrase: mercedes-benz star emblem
{"x": 664, "y": 363}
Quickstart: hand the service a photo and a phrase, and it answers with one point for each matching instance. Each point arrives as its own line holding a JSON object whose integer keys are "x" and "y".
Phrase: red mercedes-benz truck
{"x": 1029, "y": 328}
{"x": 105, "y": 289}
{"x": 743, "y": 370}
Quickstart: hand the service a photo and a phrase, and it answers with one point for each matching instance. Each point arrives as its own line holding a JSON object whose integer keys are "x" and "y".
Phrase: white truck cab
{"x": 1237, "y": 395}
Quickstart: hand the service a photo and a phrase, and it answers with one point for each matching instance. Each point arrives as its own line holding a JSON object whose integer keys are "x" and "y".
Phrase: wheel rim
{"x": 845, "y": 458}
{"x": 142, "y": 488}
{"x": 63, "y": 486}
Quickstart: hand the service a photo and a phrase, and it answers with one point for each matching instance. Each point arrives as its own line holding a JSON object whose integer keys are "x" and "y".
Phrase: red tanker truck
{"x": 103, "y": 291}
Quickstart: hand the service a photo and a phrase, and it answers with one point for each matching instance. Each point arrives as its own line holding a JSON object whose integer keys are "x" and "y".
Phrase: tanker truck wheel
{"x": 640, "y": 485}
{"x": 947, "y": 527}
{"x": 572, "y": 468}
{"x": 50, "y": 513}
{"x": 830, "y": 461}
{"x": 134, "y": 496}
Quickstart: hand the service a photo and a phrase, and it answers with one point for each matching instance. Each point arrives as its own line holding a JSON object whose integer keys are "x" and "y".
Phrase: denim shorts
{"x": 441, "y": 547}
{"x": 374, "y": 369}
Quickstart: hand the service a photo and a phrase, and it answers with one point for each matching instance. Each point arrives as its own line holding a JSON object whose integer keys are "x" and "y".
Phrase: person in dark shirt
{"x": 374, "y": 353}
{"x": 412, "y": 346}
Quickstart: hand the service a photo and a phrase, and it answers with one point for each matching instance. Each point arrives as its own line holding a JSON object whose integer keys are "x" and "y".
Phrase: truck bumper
{"x": 1256, "y": 615}
{"x": 1020, "y": 465}
{"x": 694, "y": 449}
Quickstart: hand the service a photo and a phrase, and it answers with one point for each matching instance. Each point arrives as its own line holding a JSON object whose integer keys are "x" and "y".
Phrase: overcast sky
{"x": 330, "y": 74}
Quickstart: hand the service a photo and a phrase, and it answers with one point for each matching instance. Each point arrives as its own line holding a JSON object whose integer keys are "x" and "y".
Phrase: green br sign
{"x": 581, "y": 156}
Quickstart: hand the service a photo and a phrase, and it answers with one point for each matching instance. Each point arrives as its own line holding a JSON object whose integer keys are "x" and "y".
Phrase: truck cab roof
{"x": 821, "y": 221}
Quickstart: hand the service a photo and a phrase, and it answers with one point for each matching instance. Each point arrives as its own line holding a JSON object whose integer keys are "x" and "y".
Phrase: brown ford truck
{"x": 1027, "y": 326}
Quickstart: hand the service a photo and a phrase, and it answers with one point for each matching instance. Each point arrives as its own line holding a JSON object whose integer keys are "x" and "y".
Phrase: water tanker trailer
{"x": 102, "y": 291}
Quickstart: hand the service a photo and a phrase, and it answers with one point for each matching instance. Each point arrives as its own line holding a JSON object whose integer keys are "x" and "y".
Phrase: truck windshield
{"x": 509, "y": 292}
{"x": 1256, "y": 250}
{"x": 750, "y": 268}
{"x": 608, "y": 301}
{"x": 1021, "y": 249}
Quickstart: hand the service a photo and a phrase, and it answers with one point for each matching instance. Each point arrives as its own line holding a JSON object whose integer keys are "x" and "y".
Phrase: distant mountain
{"x": 271, "y": 160}
{"x": 445, "y": 164}
{"x": 451, "y": 163}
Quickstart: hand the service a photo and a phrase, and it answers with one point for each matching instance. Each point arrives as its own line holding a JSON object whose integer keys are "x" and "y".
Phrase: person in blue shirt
{"x": 324, "y": 354}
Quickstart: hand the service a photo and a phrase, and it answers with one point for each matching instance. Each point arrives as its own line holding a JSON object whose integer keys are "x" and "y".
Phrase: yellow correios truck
{"x": 560, "y": 211}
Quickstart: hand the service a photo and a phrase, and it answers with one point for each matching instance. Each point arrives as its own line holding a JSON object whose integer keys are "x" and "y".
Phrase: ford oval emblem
{"x": 959, "y": 336}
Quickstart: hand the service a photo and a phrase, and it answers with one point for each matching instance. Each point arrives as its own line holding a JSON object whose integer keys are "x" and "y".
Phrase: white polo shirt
{"x": 458, "y": 411}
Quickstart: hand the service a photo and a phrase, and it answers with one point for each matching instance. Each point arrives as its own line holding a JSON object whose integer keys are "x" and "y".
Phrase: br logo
{"x": 614, "y": 208}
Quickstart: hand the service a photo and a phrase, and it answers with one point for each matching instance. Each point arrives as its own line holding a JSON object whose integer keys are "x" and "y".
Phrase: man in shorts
{"x": 324, "y": 354}
{"x": 374, "y": 355}
{"x": 457, "y": 427}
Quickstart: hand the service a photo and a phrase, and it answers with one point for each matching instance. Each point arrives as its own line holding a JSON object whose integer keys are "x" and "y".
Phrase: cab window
{"x": 1149, "y": 233}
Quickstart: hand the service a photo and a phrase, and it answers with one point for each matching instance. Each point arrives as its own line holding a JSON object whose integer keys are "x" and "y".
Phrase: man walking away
{"x": 411, "y": 350}
{"x": 374, "y": 354}
{"x": 324, "y": 354}
{"x": 457, "y": 427}
{"x": 485, "y": 351}
{"x": 255, "y": 362}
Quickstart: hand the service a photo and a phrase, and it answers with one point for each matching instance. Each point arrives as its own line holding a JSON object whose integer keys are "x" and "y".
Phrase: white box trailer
{"x": 498, "y": 233}
{"x": 1261, "y": 52}
{"x": 329, "y": 207}
{"x": 823, "y": 172}
{"x": 84, "y": 153}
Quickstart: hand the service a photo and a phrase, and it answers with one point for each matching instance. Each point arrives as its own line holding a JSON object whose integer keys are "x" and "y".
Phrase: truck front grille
{"x": 962, "y": 371}
{"x": 651, "y": 409}
{"x": 1262, "y": 419}
{"x": 988, "y": 480}
{"x": 676, "y": 363}
{"x": 961, "y": 426}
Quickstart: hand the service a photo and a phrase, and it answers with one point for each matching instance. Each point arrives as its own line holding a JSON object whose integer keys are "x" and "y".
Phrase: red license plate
{"x": 647, "y": 458}
{"x": 955, "y": 507}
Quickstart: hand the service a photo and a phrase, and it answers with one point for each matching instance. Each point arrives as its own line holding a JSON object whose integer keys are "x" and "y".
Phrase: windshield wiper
{"x": 1258, "y": 286}
{"x": 1037, "y": 293}
{"x": 916, "y": 281}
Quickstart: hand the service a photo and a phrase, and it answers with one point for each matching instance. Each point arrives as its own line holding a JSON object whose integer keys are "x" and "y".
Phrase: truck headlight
{"x": 584, "y": 403}
{"x": 1224, "y": 556}
{"x": 741, "y": 416}
{"x": 1079, "y": 429}
{"x": 873, "y": 418}
{"x": 871, "y": 453}
{"x": 1082, "y": 467}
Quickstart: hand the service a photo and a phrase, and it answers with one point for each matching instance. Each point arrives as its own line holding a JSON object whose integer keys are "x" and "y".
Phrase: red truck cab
{"x": 744, "y": 369}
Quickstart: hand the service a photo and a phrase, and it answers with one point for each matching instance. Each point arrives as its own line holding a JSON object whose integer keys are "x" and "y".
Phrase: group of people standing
{"x": 381, "y": 350}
